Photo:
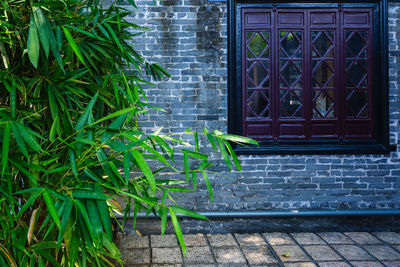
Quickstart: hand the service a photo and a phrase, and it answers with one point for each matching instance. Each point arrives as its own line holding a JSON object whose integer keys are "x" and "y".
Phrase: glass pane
{"x": 356, "y": 75}
{"x": 257, "y": 45}
{"x": 356, "y": 44}
{"x": 323, "y": 103}
{"x": 291, "y": 45}
{"x": 323, "y": 44}
{"x": 323, "y": 73}
{"x": 258, "y": 75}
{"x": 291, "y": 103}
{"x": 291, "y": 74}
{"x": 357, "y": 103}
{"x": 258, "y": 103}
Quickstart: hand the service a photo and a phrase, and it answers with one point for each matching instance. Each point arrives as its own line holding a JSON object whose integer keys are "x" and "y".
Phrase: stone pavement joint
{"x": 324, "y": 249}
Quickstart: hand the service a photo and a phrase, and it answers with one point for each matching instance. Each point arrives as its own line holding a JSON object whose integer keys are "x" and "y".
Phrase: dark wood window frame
{"x": 380, "y": 124}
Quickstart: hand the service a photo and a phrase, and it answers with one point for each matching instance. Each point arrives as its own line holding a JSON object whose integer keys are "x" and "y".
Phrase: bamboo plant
{"x": 70, "y": 101}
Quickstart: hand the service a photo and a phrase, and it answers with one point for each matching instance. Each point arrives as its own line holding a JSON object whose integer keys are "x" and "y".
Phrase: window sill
{"x": 293, "y": 148}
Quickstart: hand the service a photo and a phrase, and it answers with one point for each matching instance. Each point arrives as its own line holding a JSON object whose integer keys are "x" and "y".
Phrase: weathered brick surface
{"x": 189, "y": 38}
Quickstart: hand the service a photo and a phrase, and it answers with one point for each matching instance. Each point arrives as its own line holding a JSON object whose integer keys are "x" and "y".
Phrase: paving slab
{"x": 352, "y": 252}
{"x": 134, "y": 242}
{"x": 166, "y": 241}
{"x": 198, "y": 255}
{"x": 366, "y": 264}
{"x": 333, "y": 264}
{"x": 250, "y": 240}
{"x": 219, "y": 240}
{"x": 322, "y": 253}
{"x": 290, "y": 253}
{"x": 279, "y": 239}
{"x": 307, "y": 239}
{"x": 229, "y": 255}
{"x": 300, "y": 264}
{"x": 363, "y": 238}
{"x": 382, "y": 252}
{"x": 392, "y": 263}
{"x": 166, "y": 255}
{"x": 135, "y": 256}
{"x": 195, "y": 240}
{"x": 335, "y": 238}
{"x": 389, "y": 237}
{"x": 259, "y": 255}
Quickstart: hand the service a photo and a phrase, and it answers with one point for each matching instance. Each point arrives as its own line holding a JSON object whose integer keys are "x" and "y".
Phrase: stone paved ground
{"x": 325, "y": 249}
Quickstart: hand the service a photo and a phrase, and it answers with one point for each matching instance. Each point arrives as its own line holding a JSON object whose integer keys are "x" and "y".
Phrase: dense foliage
{"x": 70, "y": 99}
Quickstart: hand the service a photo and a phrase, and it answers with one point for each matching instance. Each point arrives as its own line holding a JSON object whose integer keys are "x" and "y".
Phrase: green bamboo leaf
{"x": 33, "y": 43}
{"x": 196, "y": 141}
{"x": 115, "y": 114}
{"x": 127, "y": 166}
{"x": 5, "y": 147}
{"x": 51, "y": 207}
{"x": 224, "y": 153}
{"x": 208, "y": 185}
{"x": 186, "y": 165}
{"x": 95, "y": 220}
{"x": 195, "y": 154}
{"x": 18, "y": 138}
{"x": 13, "y": 101}
{"x": 73, "y": 45}
{"x": 85, "y": 32}
{"x": 187, "y": 212}
{"x": 42, "y": 29}
{"x": 212, "y": 142}
{"x": 64, "y": 221}
{"x": 105, "y": 216}
{"x": 239, "y": 139}
{"x": 179, "y": 189}
{"x": 29, "y": 203}
{"x": 83, "y": 119}
{"x": 89, "y": 194}
{"x": 72, "y": 160}
{"x": 114, "y": 36}
{"x": 28, "y": 138}
{"x": 85, "y": 217}
{"x": 142, "y": 164}
{"x": 178, "y": 230}
{"x": 233, "y": 155}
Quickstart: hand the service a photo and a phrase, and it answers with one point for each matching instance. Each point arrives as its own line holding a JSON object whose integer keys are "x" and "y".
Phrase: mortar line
{"x": 211, "y": 249}
{"x": 280, "y": 263}
{"x": 240, "y": 248}
{"x": 304, "y": 250}
{"x": 337, "y": 252}
{"x": 360, "y": 246}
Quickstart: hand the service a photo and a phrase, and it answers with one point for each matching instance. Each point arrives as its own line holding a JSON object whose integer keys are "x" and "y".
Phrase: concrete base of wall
{"x": 291, "y": 224}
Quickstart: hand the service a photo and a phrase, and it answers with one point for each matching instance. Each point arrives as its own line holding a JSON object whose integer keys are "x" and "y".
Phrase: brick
{"x": 229, "y": 255}
{"x": 307, "y": 238}
{"x": 335, "y": 238}
{"x": 352, "y": 252}
{"x": 199, "y": 255}
{"x": 290, "y": 253}
{"x": 363, "y": 238}
{"x": 259, "y": 256}
{"x": 218, "y": 240}
{"x": 166, "y": 255}
{"x": 158, "y": 241}
{"x": 322, "y": 253}
{"x": 252, "y": 240}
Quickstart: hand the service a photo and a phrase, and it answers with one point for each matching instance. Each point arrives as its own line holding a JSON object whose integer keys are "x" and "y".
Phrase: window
{"x": 309, "y": 78}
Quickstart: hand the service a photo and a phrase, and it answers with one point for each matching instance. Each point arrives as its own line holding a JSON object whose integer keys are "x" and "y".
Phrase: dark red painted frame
{"x": 342, "y": 128}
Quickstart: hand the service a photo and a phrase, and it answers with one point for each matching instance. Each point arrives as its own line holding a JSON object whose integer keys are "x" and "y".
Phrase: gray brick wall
{"x": 189, "y": 38}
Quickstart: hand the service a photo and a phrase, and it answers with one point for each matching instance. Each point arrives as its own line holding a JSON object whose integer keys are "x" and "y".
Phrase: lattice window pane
{"x": 258, "y": 103}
